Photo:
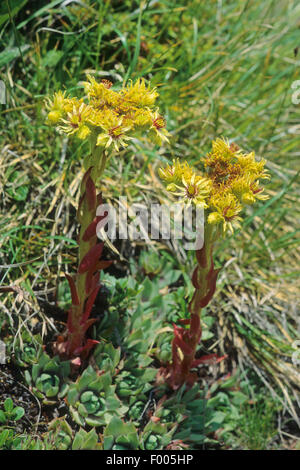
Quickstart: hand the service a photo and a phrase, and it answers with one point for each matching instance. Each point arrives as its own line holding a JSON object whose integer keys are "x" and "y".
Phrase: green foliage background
{"x": 222, "y": 68}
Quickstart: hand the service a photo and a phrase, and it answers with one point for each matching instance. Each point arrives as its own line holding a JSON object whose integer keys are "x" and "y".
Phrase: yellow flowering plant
{"x": 230, "y": 180}
{"x": 108, "y": 120}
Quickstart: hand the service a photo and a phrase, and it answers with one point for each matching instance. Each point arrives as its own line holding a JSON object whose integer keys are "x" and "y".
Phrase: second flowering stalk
{"x": 229, "y": 181}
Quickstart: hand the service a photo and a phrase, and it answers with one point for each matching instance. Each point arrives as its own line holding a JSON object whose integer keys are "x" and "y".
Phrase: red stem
{"x": 85, "y": 286}
{"x": 185, "y": 341}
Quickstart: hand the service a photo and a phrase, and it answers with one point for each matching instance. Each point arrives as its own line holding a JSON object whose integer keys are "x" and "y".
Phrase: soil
{"x": 11, "y": 386}
{"x": 37, "y": 417}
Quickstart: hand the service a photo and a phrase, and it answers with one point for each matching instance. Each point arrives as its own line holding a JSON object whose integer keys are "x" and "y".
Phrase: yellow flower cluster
{"x": 184, "y": 182}
{"x": 230, "y": 180}
{"x": 113, "y": 117}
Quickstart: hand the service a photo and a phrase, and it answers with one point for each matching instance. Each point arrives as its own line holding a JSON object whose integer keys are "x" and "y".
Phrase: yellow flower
{"x": 56, "y": 107}
{"x": 233, "y": 171}
{"x": 247, "y": 190}
{"x": 158, "y": 131}
{"x": 112, "y": 117}
{"x": 174, "y": 173}
{"x": 77, "y": 121}
{"x": 115, "y": 136}
{"x": 231, "y": 180}
{"x": 221, "y": 147}
{"x": 139, "y": 94}
{"x": 215, "y": 218}
{"x": 225, "y": 209}
{"x": 194, "y": 190}
{"x": 252, "y": 167}
{"x": 141, "y": 117}
{"x": 240, "y": 187}
{"x": 54, "y": 116}
{"x": 100, "y": 94}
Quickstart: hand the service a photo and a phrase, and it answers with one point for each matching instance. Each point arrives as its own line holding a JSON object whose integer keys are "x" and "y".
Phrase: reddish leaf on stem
{"x": 74, "y": 295}
{"x": 201, "y": 256}
{"x": 195, "y": 322}
{"x": 84, "y": 350}
{"x": 195, "y": 278}
{"x": 208, "y": 359}
{"x": 88, "y": 323}
{"x": 89, "y": 304}
{"x": 90, "y": 259}
{"x": 103, "y": 264}
{"x": 69, "y": 322}
{"x": 84, "y": 179}
{"x": 212, "y": 288}
{"x": 91, "y": 281}
{"x": 185, "y": 348}
{"x": 91, "y": 229}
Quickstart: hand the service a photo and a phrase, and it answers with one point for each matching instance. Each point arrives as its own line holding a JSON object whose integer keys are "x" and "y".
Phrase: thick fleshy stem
{"x": 185, "y": 340}
{"x": 85, "y": 285}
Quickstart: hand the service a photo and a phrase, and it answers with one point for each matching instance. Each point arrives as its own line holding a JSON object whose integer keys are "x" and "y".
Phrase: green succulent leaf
{"x": 86, "y": 440}
{"x": 82, "y": 410}
{"x": 77, "y": 417}
{"x": 91, "y": 402}
{"x": 120, "y": 436}
{"x": 4, "y": 436}
{"x": 48, "y": 384}
{"x": 136, "y": 410}
{"x": 152, "y": 442}
{"x": 8, "y": 405}
{"x": 3, "y": 418}
{"x": 17, "y": 413}
{"x": 95, "y": 421}
{"x": 63, "y": 390}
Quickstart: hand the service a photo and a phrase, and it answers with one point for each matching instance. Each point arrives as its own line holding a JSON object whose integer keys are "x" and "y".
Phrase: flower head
{"x": 194, "y": 190}
{"x": 234, "y": 172}
{"x": 230, "y": 181}
{"x": 225, "y": 209}
{"x": 77, "y": 121}
{"x": 174, "y": 173}
{"x": 115, "y": 136}
{"x": 185, "y": 183}
{"x": 58, "y": 107}
{"x": 113, "y": 117}
{"x": 139, "y": 94}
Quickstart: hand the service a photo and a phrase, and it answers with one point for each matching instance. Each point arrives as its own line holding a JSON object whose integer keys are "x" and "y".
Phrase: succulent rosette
{"x": 48, "y": 377}
{"x": 107, "y": 357}
{"x": 92, "y": 399}
{"x": 120, "y": 436}
{"x": 156, "y": 436}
